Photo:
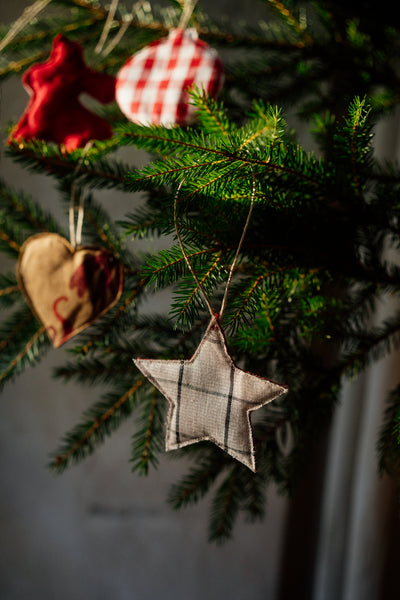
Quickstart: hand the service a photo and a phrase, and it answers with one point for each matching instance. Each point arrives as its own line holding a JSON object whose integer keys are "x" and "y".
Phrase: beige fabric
{"x": 210, "y": 397}
{"x": 67, "y": 288}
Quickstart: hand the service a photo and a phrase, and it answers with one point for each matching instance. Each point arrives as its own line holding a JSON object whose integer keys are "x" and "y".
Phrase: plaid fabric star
{"x": 210, "y": 397}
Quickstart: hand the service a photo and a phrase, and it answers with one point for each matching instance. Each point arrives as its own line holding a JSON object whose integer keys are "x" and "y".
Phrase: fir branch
{"x": 97, "y": 338}
{"x": 49, "y": 28}
{"x": 209, "y": 184}
{"x": 24, "y": 341}
{"x": 359, "y": 113}
{"x": 92, "y": 7}
{"x": 23, "y": 212}
{"x": 265, "y": 288}
{"x": 356, "y": 121}
{"x": 248, "y": 297}
{"x": 8, "y": 295}
{"x": 210, "y": 113}
{"x": 38, "y": 34}
{"x": 196, "y": 289}
{"x": 92, "y": 370}
{"x": 369, "y": 346}
{"x": 18, "y": 66}
{"x": 18, "y": 359}
{"x": 199, "y": 480}
{"x": 169, "y": 265}
{"x": 20, "y": 325}
{"x": 388, "y": 445}
{"x": 101, "y": 419}
{"x": 254, "y": 500}
{"x": 226, "y": 506}
{"x": 9, "y": 244}
{"x": 188, "y": 299}
{"x": 148, "y": 439}
{"x": 291, "y": 20}
{"x": 106, "y": 233}
{"x": 51, "y": 160}
{"x": 272, "y": 460}
{"x": 29, "y": 14}
{"x": 164, "y": 141}
{"x": 266, "y": 123}
{"x": 194, "y": 161}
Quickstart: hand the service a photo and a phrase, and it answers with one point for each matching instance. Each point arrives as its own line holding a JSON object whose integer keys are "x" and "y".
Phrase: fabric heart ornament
{"x": 152, "y": 86}
{"x": 67, "y": 288}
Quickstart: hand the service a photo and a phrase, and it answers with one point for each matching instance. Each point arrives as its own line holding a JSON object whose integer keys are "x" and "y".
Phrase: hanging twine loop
{"x": 101, "y": 48}
{"x": 234, "y": 262}
{"x": 236, "y": 258}
{"x": 75, "y": 235}
{"x": 107, "y": 26}
{"x": 188, "y": 8}
{"x": 189, "y": 264}
{"x": 30, "y": 13}
{"x": 127, "y": 20}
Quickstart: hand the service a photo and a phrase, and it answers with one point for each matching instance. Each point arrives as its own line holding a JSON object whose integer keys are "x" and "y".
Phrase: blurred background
{"x": 99, "y": 532}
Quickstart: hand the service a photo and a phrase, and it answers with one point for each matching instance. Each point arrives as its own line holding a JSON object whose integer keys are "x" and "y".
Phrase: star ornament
{"x": 210, "y": 398}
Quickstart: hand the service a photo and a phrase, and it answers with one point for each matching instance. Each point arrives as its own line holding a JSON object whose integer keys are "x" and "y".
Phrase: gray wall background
{"x": 99, "y": 532}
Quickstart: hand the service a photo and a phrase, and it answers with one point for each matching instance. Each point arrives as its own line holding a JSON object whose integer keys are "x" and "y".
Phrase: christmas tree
{"x": 297, "y": 242}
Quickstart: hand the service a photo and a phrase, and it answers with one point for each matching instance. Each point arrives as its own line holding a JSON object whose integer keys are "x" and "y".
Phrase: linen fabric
{"x": 67, "y": 288}
{"x": 210, "y": 397}
{"x": 152, "y": 86}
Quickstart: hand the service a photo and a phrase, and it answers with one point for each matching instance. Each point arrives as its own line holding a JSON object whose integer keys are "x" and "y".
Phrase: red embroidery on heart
{"x": 66, "y": 323}
{"x": 83, "y": 274}
{"x": 78, "y": 280}
{"x": 103, "y": 261}
{"x": 51, "y": 332}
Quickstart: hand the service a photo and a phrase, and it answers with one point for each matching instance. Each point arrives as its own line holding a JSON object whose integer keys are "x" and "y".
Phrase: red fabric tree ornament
{"x": 54, "y": 112}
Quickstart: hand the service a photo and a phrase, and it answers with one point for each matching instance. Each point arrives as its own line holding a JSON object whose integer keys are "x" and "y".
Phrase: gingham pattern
{"x": 152, "y": 86}
{"x": 210, "y": 397}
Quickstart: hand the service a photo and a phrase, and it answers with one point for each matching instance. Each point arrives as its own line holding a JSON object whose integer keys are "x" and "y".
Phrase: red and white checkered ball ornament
{"x": 152, "y": 86}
